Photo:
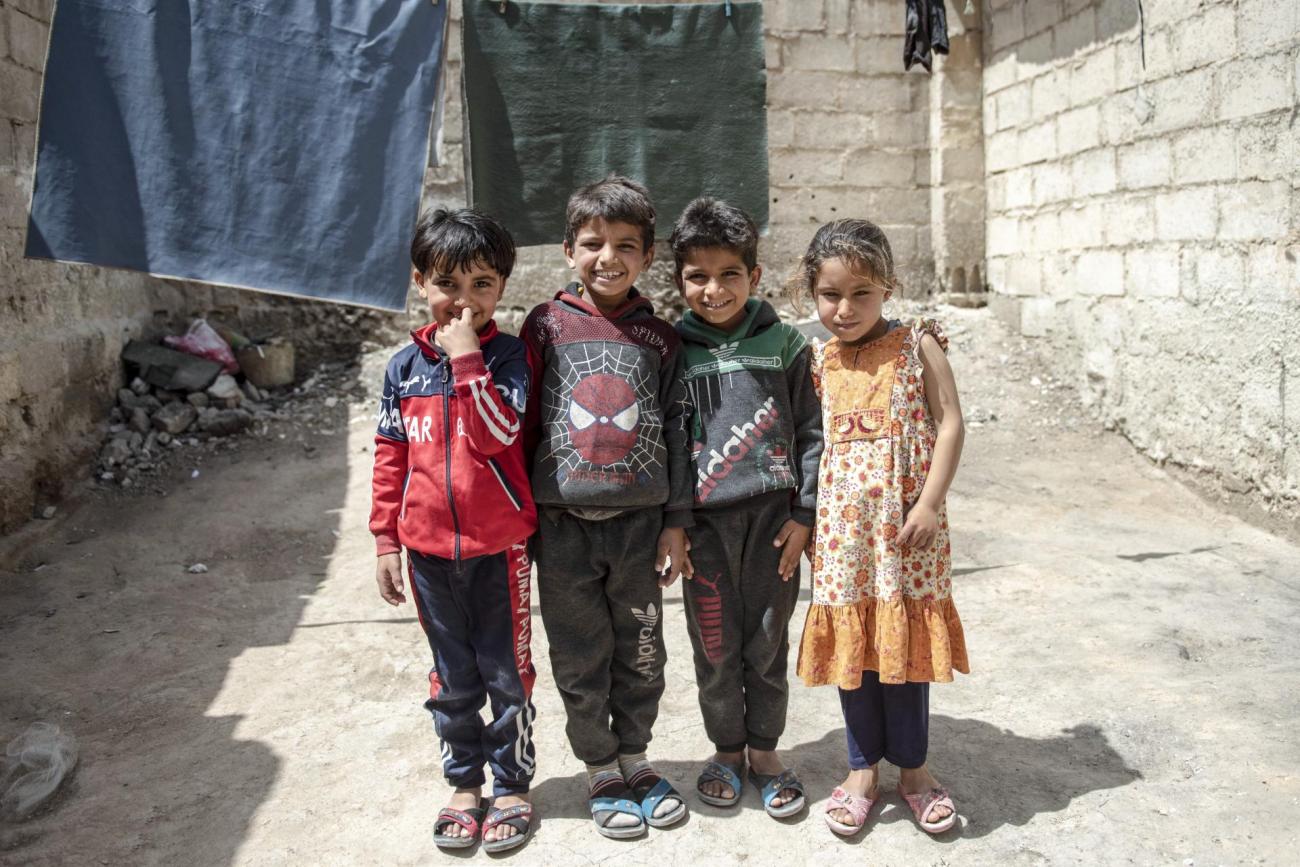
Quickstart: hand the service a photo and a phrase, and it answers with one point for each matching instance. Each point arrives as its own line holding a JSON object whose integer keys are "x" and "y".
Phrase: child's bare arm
{"x": 941, "y": 394}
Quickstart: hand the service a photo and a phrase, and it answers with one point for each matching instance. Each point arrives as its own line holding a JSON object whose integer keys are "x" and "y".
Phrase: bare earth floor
{"x": 1133, "y": 696}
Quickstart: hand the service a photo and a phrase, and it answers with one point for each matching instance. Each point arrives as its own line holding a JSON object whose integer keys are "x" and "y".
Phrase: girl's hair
{"x": 860, "y": 243}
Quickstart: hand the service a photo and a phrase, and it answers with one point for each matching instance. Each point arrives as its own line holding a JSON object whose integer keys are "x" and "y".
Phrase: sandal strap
{"x": 774, "y": 785}
{"x": 650, "y": 800}
{"x": 614, "y": 805}
{"x": 855, "y": 805}
{"x": 519, "y": 817}
{"x": 718, "y": 772}
{"x": 464, "y": 818}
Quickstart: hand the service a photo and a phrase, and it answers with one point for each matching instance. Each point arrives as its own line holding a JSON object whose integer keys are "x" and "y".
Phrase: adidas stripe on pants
{"x": 602, "y": 609}
{"x": 476, "y": 615}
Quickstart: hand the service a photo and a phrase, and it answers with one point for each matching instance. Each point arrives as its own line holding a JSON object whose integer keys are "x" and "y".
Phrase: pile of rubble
{"x": 148, "y": 421}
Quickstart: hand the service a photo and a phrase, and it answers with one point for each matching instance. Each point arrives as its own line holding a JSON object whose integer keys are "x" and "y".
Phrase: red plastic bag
{"x": 203, "y": 341}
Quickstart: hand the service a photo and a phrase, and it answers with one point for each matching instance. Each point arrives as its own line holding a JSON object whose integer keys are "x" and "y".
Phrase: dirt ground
{"x": 1133, "y": 695}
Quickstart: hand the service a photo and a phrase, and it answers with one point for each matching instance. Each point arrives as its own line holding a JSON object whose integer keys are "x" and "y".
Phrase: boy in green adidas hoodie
{"x": 757, "y": 442}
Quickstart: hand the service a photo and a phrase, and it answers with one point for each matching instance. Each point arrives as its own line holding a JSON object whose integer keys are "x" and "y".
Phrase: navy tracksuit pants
{"x": 889, "y": 721}
{"x": 476, "y": 615}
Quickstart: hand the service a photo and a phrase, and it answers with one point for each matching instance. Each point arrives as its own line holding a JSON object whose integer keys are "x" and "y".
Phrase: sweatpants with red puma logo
{"x": 738, "y": 613}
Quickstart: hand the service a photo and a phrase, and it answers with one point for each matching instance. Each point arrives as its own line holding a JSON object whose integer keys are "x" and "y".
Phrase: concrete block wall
{"x": 848, "y": 136}
{"x": 62, "y": 327}
{"x": 1146, "y": 219}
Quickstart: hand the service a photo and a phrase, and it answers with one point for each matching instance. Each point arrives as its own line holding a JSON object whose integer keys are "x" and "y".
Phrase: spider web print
{"x": 617, "y": 360}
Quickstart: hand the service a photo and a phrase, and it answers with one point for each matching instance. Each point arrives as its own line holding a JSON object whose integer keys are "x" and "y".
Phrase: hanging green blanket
{"x": 559, "y": 95}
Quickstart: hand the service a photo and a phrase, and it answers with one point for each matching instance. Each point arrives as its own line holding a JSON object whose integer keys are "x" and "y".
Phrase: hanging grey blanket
{"x": 275, "y": 146}
{"x": 559, "y": 95}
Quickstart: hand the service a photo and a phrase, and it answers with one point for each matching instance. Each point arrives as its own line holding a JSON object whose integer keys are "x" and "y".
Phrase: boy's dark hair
{"x": 615, "y": 199}
{"x": 450, "y": 240}
{"x": 861, "y": 243}
{"x": 708, "y": 222}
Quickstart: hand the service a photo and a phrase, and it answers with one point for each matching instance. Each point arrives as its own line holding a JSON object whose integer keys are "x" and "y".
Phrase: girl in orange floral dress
{"x": 882, "y": 626}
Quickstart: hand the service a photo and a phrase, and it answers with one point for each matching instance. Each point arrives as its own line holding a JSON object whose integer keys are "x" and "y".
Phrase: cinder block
{"x": 1205, "y": 37}
{"x": 878, "y": 55}
{"x": 1040, "y": 15}
{"x": 1079, "y": 129}
{"x": 815, "y": 52}
{"x": 771, "y": 53}
{"x": 893, "y": 130}
{"x": 1051, "y": 183}
{"x": 794, "y": 15}
{"x": 878, "y": 18}
{"x": 1153, "y": 273}
{"x": 8, "y": 149}
{"x": 1035, "y": 55}
{"x": 1046, "y": 232}
{"x": 879, "y": 93}
{"x": 1005, "y": 27}
{"x": 1145, "y": 164}
{"x": 1093, "y": 172}
{"x": 1038, "y": 143}
{"x": 28, "y": 39}
{"x": 1051, "y": 93}
{"x": 1220, "y": 271}
{"x": 795, "y": 88}
{"x": 1255, "y": 85}
{"x": 1013, "y": 106}
{"x": 1268, "y": 149}
{"x": 1186, "y": 215}
{"x": 1003, "y": 236}
{"x": 1129, "y": 220}
{"x": 1182, "y": 100}
{"x": 839, "y": 16}
{"x": 1074, "y": 33}
{"x": 1254, "y": 210}
{"x": 1094, "y": 77}
{"x": 1002, "y": 151}
{"x": 1272, "y": 276}
{"x": 1208, "y": 154}
{"x": 790, "y": 168}
{"x": 781, "y": 127}
{"x": 833, "y": 129}
{"x": 873, "y": 168}
{"x": 1099, "y": 272}
{"x": 1083, "y": 227}
{"x": 999, "y": 72}
{"x": 1024, "y": 275}
{"x": 20, "y": 90}
{"x": 1264, "y": 24}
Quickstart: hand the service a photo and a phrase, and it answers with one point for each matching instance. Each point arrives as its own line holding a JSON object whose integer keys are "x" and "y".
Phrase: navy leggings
{"x": 886, "y": 721}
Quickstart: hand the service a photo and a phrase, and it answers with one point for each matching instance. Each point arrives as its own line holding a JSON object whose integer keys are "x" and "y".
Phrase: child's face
{"x": 849, "y": 302}
{"x": 608, "y": 258}
{"x": 478, "y": 288}
{"x": 717, "y": 284}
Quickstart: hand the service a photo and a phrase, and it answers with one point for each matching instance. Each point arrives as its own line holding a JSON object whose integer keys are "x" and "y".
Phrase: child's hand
{"x": 920, "y": 528}
{"x": 792, "y": 539}
{"x": 457, "y": 337}
{"x": 670, "y": 558}
{"x": 389, "y": 575}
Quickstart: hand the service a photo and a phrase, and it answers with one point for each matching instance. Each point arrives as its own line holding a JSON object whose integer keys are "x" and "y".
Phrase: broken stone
{"x": 174, "y": 418}
{"x": 250, "y": 391}
{"x": 225, "y": 388}
{"x": 48, "y": 512}
{"x": 197, "y": 399}
{"x": 224, "y": 422}
{"x": 115, "y": 452}
{"x": 196, "y": 569}
{"x": 128, "y": 398}
{"x": 151, "y": 442}
{"x": 331, "y": 402}
{"x": 164, "y": 438}
{"x": 166, "y": 396}
{"x": 136, "y": 441}
{"x": 115, "y": 416}
{"x": 139, "y": 386}
{"x": 139, "y": 420}
{"x": 167, "y": 368}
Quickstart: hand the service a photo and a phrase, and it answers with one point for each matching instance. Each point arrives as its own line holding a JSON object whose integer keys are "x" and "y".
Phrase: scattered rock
{"x": 197, "y": 399}
{"x": 250, "y": 391}
{"x": 164, "y": 438}
{"x": 224, "y": 422}
{"x": 174, "y": 418}
{"x": 167, "y": 396}
{"x": 331, "y": 402}
{"x": 48, "y": 512}
{"x": 196, "y": 569}
{"x": 139, "y": 420}
{"x": 139, "y": 386}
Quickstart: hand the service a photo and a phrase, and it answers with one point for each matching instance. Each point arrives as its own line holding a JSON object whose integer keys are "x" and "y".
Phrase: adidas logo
{"x": 647, "y": 657}
{"x": 724, "y": 351}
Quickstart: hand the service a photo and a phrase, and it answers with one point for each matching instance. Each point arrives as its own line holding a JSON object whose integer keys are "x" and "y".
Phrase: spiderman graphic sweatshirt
{"x": 449, "y": 477}
{"x": 607, "y": 424}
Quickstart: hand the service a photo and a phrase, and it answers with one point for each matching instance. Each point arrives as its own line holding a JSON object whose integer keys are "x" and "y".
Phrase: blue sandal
{"x": 771, "y": 785}
{"x": 652, "y": 797}
{"x": 725, "y": 774}
{"x": 604, "y": 809}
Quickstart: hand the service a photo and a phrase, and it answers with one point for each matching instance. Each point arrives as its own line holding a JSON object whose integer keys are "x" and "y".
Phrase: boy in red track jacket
{"x": 450, "y": 486}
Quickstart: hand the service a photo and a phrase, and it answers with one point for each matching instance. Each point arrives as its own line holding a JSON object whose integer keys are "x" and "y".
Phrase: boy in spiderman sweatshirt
{"x": 607, "y": 433}
{"x": 450, "y": 486}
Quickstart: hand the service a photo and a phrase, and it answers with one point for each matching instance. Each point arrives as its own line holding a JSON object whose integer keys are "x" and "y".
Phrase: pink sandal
{"x": 856, "y": 806}
{"x": 923, "y": 806}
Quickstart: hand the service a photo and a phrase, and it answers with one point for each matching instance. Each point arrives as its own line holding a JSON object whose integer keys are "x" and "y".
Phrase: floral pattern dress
{"x": 876, "y": 606}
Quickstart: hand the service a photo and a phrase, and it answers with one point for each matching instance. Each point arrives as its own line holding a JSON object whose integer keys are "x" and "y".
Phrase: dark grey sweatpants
{"x": 602, "y": 609}
{"x": 738, "y": 610}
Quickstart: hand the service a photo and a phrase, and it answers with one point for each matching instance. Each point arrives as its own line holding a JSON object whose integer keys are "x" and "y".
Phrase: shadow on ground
{"x": 996, "y": 776}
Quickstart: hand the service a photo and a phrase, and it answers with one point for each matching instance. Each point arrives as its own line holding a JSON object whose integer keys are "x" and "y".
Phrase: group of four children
{"x": 731, "y": 445}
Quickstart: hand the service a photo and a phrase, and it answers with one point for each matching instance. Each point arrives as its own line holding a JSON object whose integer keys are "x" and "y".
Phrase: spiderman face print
{"x": 603, "y": 418}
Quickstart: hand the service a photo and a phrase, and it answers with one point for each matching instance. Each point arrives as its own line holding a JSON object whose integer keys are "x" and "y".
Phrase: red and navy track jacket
{"x": 449, "y": 474}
